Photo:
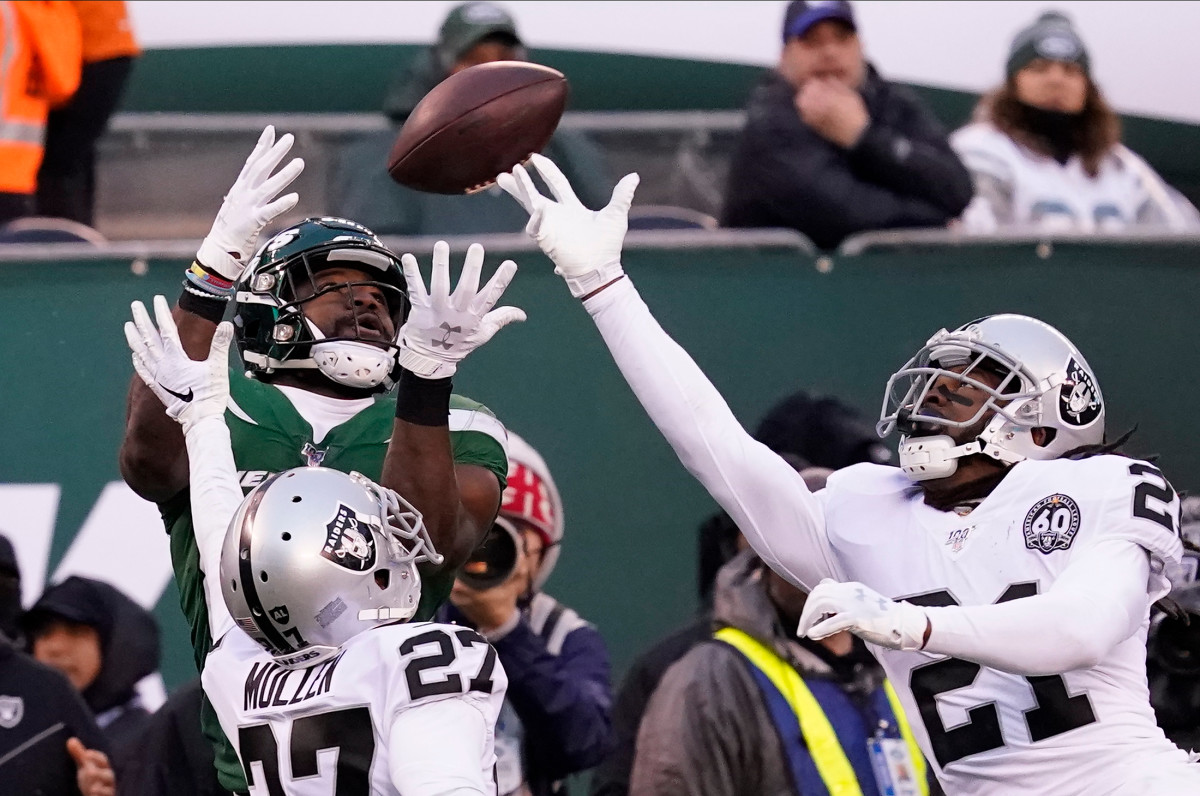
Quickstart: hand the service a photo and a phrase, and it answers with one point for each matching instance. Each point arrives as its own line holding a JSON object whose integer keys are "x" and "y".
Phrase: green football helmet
{"x": 270, "y": 324}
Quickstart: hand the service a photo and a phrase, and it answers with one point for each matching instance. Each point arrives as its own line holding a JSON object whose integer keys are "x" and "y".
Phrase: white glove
{"x": 865, "y": 613}
{"x": 248, "y": 206}
{"x": 191, "y": 390}
{"x": 585, "y": 245}
{"x": 443, "y": 328}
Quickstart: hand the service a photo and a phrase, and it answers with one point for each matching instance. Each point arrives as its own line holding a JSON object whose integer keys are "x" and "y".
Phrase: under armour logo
{"x": 445, "y": 341}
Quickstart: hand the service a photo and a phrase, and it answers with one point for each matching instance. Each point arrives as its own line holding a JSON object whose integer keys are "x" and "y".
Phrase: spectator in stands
{"x": 67, "y": 180}
{"x": 175, "y": 757}
{"x": 472, "y": 33}
{"x": 10, "y": 592}
{"x": 1045, "y": 148}
{"x": 757, "y": 709}
{"x": 39, "y": 71}
{"x": 830, "y": 148}
{"x": 801, "y": 429}
{"x": 49, "y": 742}
{"x": 1173, "y": 645}
{"x": 104, "y": 643}
{"x": 556, "y": 717}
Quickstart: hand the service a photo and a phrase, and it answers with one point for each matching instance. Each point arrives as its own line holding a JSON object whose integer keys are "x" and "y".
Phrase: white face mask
{"x": 352, "y": 363}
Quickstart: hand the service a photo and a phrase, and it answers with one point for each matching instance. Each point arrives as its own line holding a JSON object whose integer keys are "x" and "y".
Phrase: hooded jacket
{"x": 706, "y": 729}
{"x": 901, "y": 173}
{"x": 129, "y": 650}
{"x": 39, "y": 711}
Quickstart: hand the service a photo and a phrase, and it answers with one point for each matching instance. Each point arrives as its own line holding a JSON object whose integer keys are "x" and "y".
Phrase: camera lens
{"x": 493, "y": 561}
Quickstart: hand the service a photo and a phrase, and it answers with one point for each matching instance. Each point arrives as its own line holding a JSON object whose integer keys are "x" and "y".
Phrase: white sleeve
{"x": 766, "y": 498}
{"x": 1098, "y": 601}
{"x": 215, "y": 498}
{"x": 437, "y": 748}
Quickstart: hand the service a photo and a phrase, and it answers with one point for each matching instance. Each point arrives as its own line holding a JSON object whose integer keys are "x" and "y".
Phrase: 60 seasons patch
{"x": 1051, "y": 524}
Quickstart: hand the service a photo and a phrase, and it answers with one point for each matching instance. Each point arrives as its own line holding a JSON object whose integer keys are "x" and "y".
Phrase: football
{"x": 476, "y": 124}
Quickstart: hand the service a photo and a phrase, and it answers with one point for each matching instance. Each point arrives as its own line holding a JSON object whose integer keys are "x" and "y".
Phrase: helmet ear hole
{"x": 1044, "y": 435}
{"x": 383, "y": 579}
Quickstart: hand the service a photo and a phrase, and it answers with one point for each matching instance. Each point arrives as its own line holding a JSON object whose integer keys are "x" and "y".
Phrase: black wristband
{"x": 423, "y": 402}
{"x": 210, "y": 309}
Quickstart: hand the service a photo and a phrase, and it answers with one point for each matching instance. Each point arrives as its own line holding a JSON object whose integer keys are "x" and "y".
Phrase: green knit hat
{"x": 1051, "y": 37}
{"x": 466, "y": 24}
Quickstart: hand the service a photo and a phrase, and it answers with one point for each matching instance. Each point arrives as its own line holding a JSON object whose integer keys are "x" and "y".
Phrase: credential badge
{"x": 1051, "y": 524}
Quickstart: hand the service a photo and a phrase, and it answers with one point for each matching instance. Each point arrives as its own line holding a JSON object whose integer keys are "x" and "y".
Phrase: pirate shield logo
{"x": 12, "y": 710}
{"x": 348, "y": 541}
{"x": 1078, "y": 399}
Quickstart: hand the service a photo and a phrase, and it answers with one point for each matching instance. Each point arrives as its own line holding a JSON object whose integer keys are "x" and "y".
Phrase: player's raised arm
{"x": 194, "y": 394}
{"x": 153, "y": 459}
{"x": 763, "y": 494}
{"x": 442, "y": 328}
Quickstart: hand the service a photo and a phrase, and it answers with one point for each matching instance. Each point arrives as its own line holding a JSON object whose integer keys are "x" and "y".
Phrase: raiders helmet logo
{"x": 1078, "y": 399}
{"x": 280, "y": 614}
{"x": 12, "y": 710}
{"x": 1051, "y": 524}
{"x": 349, "y": 542}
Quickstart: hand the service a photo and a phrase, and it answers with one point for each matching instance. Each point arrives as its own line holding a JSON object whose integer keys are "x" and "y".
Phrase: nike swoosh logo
{"x": 183, "y": 396}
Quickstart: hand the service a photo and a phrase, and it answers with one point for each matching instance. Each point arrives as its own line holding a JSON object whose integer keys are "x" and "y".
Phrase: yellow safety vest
{"x": 823, "y": 745}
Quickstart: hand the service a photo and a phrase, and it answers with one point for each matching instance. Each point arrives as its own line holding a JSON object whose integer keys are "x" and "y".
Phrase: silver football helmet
{"x": 1045, "y": 383}
{"x": 314, "y": 556}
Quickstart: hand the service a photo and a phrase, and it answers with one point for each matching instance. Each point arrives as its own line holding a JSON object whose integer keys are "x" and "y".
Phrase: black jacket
{"x": 611, "y": 777}
{"x": 901, "y": 173}
{"x": 129, "y": 647}
{"x": 175, "y": 756}
{"x": 39, "y": 711}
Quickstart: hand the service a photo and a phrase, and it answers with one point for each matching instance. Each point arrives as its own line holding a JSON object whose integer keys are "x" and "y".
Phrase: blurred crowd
{"x": 830, "y": 148}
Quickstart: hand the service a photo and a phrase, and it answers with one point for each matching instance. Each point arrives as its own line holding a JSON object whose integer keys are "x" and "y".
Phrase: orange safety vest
{"x": 107, "y": 32}
{"x": 40, "y": 63}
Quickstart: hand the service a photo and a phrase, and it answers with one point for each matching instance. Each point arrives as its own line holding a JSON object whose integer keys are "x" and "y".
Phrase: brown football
{"x": 477, "y": 123}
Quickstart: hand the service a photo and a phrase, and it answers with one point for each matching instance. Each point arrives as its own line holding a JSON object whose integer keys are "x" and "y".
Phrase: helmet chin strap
{"x": 927, "y": 458}
{"x": 351, "y": 363}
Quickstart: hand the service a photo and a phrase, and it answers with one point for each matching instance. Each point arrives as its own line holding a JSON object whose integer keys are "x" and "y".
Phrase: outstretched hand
{"x": 443, "y": 327}
{"x": 250, "y": 205}
{"x": 189, "y": 389}
{"x": 585, "y": 245}
{"x": 93, "y": 773}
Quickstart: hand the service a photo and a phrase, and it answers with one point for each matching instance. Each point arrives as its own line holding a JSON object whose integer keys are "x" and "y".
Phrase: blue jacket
{"x": 559, "y": 688}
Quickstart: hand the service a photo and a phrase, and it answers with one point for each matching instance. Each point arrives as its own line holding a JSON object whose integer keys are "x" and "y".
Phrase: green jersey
{"x": 270, "y": 436}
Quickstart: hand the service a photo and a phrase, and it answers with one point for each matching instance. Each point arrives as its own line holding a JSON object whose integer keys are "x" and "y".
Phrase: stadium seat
{"x": 45, "y": 229}
{"x": 643, "y": 217}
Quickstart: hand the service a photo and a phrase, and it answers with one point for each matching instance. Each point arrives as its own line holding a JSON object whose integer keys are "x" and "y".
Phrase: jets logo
{"x": 349, "y": 541}
{"x": 1078, "y": 399}
{"x": 1051, "y": 524}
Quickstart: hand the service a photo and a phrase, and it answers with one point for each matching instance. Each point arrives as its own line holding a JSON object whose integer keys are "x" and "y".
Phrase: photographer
{"x": 556, "y": 719}
{"x": 1173, "y": 646}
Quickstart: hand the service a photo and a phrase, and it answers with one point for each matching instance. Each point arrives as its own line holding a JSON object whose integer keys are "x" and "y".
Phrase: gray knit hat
{"x": 1051, "y": 37}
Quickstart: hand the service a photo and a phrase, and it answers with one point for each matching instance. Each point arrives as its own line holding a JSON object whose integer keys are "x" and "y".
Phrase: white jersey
{"x": 401, "y": 709}
{"x": 353, "y": 723}
{"x": 1089, "y": 732}
{"x": 1017, "y": 187}
{"x": 988, "y": 731}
